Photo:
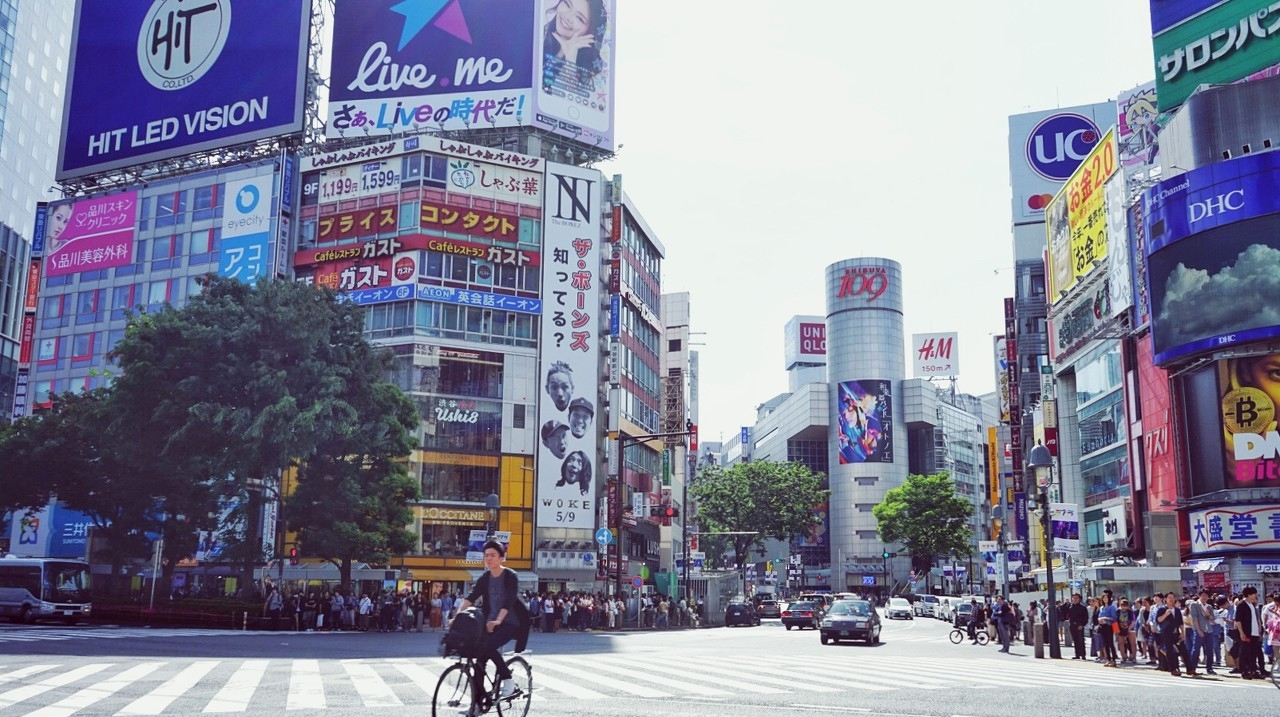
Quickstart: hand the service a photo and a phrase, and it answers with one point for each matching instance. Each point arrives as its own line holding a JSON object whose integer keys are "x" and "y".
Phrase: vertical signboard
{"x": 246, "y": 230}
{"x": 151, "y": 80}
{"x": 1002, "y": 376}
{"x": 90, "y": 234}
{"x": 1064, "y": 520}
{"x": 865, "y": 420}
{"x": 570, "y": 344}
{"x": 575, "y": 50}
{"x": 440, "y": 65}
{"x": 1086, "y": 215}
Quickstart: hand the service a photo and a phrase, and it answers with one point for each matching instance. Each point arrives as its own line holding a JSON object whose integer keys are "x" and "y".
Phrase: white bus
{"x": 34, "y": 589}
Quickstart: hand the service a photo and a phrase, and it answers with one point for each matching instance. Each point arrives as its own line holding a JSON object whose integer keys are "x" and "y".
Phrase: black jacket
{"x": 514, "y": 606}
{"x": 1078, "y": 614}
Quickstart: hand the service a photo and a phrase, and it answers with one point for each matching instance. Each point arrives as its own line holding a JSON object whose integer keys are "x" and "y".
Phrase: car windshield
{"x": 851, "y": 607}
{"x": 899, "y": 602}
{"x": 801, "y": 606}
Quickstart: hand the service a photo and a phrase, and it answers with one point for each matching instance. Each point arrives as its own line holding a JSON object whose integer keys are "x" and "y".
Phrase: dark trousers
{"x": 493, "y": 643}
{"x": 1077, "y": 639}
{"x": 1108, "y": 642}
{"x": 1251, "y": 657}
{"x": 1171, "y": 647}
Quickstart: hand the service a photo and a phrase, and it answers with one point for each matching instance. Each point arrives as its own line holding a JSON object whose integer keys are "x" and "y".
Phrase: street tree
{"x": 757, "y": 500}
{"x": 926, "y": 516}
{"x": 256, "y": 379}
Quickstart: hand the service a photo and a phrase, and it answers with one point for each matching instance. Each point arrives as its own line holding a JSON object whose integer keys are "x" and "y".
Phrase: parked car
{"x": 740, "y": 613}
{"x": 927, "y": 606}
{"x": 899, "y": 607}
{"x": 802, "y": 614}
{"x": 850, "y": 620}
{"x": 769, "y": 608}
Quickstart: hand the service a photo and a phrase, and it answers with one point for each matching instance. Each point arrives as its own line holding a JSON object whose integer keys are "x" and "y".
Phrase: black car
{"x": 851, "y": 620}
{"x": 963, "y": 612}
{"x": 740, "y": 613}
{"x": 802, "y": 615}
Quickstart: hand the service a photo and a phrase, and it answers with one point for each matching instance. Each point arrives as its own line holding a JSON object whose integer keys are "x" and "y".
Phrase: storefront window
{"x": 1098, "y": 373}
{"x": 1105, "y": 476}
{"x": 448, "y": 541}
{"x": 458, "y": 482}
{"x": 1102, "y": 424}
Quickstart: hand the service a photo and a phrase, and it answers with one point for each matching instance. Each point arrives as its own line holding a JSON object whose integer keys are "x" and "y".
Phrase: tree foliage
{"x": 218, "y": 397}
{"x": 926, "y": 516}
{"x": 762, "y": 498}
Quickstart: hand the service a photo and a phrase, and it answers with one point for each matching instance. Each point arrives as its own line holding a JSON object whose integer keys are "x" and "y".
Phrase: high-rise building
{"x": 34, "y": 41}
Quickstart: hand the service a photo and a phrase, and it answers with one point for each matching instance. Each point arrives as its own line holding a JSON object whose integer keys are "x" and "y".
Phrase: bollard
{"x": 1039, "y": 637}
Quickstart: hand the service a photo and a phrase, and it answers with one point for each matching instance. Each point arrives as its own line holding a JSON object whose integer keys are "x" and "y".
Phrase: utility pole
{"x": 623, "y": 442}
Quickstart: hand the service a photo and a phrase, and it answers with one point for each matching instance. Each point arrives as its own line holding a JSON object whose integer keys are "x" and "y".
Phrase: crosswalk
{"x": 45, "y": 634}
{"x": 132, "y": 688}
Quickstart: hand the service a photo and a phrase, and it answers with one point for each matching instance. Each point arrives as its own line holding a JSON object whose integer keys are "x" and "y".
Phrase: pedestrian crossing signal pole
{"x": 1039, "y": 459}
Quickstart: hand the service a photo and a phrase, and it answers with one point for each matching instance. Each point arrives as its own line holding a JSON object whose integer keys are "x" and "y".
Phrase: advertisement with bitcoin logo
{"x": 1250, "y": 393}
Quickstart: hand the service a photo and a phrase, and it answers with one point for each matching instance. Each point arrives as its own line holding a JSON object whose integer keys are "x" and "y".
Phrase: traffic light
{"x": 670, "y": 511}
{"x": 886, "y": 554}
{"x": 293, "y": 556}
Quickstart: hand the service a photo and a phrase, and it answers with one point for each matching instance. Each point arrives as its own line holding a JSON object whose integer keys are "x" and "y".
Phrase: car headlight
{"x": 826, "y": 623}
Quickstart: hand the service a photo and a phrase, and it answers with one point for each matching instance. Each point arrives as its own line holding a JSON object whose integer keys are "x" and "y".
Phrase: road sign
{"x": 604, "y": 536}
{"x": 868, "y": 580}
{"x": 1077, "y": 584}
{"x": 637, "y": 582}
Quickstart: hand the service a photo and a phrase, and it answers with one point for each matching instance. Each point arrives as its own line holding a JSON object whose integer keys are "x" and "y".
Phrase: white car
{"x": 898, "y": 607}
{"x": 927, "y": 606}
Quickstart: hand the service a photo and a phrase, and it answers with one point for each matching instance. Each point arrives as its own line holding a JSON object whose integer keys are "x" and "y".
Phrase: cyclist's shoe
{"x": 507, "y": 689}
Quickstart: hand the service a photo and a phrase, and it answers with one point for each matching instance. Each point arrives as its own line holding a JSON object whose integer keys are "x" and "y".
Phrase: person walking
{"x": 1249, "y": 623}
{"x": 1170, "y": 619}
{"x": 1005, "y": 622}
{"x": 1200, "y": 613}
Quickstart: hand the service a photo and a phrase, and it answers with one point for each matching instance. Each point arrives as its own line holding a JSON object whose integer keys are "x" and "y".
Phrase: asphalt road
{"x": 56, "y": 671}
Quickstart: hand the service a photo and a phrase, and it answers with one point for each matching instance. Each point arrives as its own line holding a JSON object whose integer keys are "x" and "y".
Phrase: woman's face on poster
{"x": 572, "y": 18}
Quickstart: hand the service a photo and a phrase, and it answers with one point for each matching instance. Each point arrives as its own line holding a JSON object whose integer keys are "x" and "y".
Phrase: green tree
{"x": 760, "y": 499}
{"x": 926, "y": 516}
{"x": 259, "y": 378}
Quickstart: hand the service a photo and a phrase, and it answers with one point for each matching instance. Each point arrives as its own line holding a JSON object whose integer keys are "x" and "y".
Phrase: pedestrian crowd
{"x": 582, "y": 611}
{"x": 1199, "y": 632}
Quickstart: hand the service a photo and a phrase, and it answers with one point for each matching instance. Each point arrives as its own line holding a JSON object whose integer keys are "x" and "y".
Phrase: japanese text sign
{"x": 1239, "y": 528}
{"x": 1198, "y": 45}
{"x": 362, "y": 222}
{"x": 91, "y": 234}
{"x": 472, "y": 222}
{"x": 1086, "y": 206}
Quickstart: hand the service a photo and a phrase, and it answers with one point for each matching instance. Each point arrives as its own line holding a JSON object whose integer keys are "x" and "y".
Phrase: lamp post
{"x": 491, "y": 502}
{"x": 1038, "y": 459}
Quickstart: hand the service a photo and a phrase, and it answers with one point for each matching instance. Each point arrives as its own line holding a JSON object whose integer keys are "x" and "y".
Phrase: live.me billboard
{"x": 155, "y": 79}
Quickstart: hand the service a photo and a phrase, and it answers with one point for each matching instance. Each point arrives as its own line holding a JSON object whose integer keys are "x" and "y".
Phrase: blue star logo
{"x": 444, "y": 14}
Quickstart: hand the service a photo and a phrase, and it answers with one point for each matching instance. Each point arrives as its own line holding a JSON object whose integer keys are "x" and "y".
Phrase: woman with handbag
{"x": 1108, "y": 627}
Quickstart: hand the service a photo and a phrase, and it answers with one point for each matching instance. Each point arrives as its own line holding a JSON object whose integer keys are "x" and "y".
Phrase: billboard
{"x": 1202, "y": 43}
{"x": 575, "y": 51}
{"x": 1212, "y": 239}
{"x": 570, "y": 340}
{"x": 1064, "y": 518}
{"x": 155, "y": 80}
{"x": 935, "y": 354}
{"x": 1002, "y": 375}
{"x": 1250, "y": 392}
{"x": 474, "y": 64}
{"x": 246, "y": 230}
{"x": 1137, "y": 128}
{"x": 804, "y": 340}
{"x": 1235, "y": 529}
{"x": 1157, "y": 427}
{"x": 90, "y": 234}
{"x": 864, "y": 416}
{"x": 1045, "y": 148}
{"x": 1086, "y": 219}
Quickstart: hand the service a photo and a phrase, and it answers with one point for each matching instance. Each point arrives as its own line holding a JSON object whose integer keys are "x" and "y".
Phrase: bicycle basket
{"x": 465, "y": 637}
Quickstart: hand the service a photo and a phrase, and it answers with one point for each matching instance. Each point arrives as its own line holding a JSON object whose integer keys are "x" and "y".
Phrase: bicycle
{"x": 453, "y": 695}
{"x": 959, "y": 635}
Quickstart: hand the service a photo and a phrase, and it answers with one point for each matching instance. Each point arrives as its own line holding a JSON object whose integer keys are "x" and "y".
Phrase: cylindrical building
{"x": 866, "y": 364}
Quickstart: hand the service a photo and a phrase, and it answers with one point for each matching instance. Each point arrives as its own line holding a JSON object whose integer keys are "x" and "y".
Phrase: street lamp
{"x": 491, "y": 513}
{"x": 1039, "y": 458}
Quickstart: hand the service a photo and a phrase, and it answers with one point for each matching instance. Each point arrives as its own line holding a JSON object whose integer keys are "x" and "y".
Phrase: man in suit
{"x": 1249, "y": 624}
{"x": 1078, "y": 617}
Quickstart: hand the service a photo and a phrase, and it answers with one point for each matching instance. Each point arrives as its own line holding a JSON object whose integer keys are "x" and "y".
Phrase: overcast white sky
{"x": 764, "y": 140}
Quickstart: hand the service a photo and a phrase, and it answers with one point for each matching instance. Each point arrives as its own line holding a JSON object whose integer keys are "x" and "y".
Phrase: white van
{"x": 927, "y": 606}
{"x": 947, "y": 608}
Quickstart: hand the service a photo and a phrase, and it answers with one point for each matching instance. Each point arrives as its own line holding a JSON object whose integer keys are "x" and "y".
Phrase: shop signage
{"x": 1081, "y": 320}
{"x": 866, "y": 281}
{"x": 453, "y": 516}
{"x": 1237, "y": 528}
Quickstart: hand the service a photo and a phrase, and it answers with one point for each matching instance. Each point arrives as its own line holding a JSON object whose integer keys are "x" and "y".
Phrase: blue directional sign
{"x": 604, "y": 536}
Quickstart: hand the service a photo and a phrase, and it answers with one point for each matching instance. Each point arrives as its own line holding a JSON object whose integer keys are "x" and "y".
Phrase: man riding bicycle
{"x": 506, "y": 617}
{"x": 977, "y": 620}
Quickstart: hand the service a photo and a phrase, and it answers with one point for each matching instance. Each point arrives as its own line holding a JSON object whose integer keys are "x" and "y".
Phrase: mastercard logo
{"x": 1039, "y": 201}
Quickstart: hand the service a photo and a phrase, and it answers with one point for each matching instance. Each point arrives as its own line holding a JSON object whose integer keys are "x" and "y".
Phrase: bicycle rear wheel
{"x": 453, "y": 695}
{"x": 982, "y": 637}
{"x": 956, "y": 636}
{"x": 517, "y": 705}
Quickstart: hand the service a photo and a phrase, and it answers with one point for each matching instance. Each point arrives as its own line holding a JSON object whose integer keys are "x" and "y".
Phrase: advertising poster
{"x": 1198, "y": 42}
{"x": 91, "y": 234}
{"x": 151, "y": 80}
{"x": 1045, "y": 148}
{"x": 1232, "y": 528}
{"x": 475, "y": 545}
{"x": 1061, "y": 272}
{"x": 1064, "y": 519}
{"x": 1002, "y": 376}
{"x": 575, "y": 51}
{"x": 1119, "y": 267}
{"x": 990, "y": 550}
{"x": 440, "y": 65}
{"x": 570, "y": 361}
{"x": 1086, "y": 211}
{"x": 246, "y": 230}
{"x": 935, "y": 354}
{"x": 816, "y": 536}
{"x": 1137, "y": 128}
{"x": 1250, "y": 390}
{"x": 865, "y": 419}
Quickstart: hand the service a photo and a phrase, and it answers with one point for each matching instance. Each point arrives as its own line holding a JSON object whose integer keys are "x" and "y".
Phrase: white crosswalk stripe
{"x": 131, "y": 688}
{"x": 45, "y": 634}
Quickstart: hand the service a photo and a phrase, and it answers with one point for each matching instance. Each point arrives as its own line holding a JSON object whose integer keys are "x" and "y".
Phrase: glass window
{"x": 162, "y": 247}
{"x": 203, "y": 201}
{"x": 458, "y": 483}
{"x": 81, "y": 347}
{"x": 1099, "y": 373}
{"x": 460, "y": 425}
{"x": 408, "y": 215}
{"x": 158, "y": 292}
{"x": 170, "y": 208}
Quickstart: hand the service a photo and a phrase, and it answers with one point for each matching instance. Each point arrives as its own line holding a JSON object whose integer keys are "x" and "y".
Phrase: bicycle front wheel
{"x": 453, "y": 694}
{"x": 956, "y": 637}
{"x": 517, "y": 705}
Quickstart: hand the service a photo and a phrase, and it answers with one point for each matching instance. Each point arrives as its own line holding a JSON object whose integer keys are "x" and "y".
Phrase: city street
{"x": 56, "y": 671}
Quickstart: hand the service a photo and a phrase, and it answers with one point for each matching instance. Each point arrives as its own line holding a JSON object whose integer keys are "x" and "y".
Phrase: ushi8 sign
{"x": 1082, "y": 204}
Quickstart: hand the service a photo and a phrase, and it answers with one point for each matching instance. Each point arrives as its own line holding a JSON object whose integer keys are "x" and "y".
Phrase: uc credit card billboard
{"x": 155, "y": 79}
{"x": 1046, "y": 148}
{"x": 474, "y": 64}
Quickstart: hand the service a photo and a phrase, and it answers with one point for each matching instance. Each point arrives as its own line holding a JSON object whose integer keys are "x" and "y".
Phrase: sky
{"x": 763, "y": 141}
